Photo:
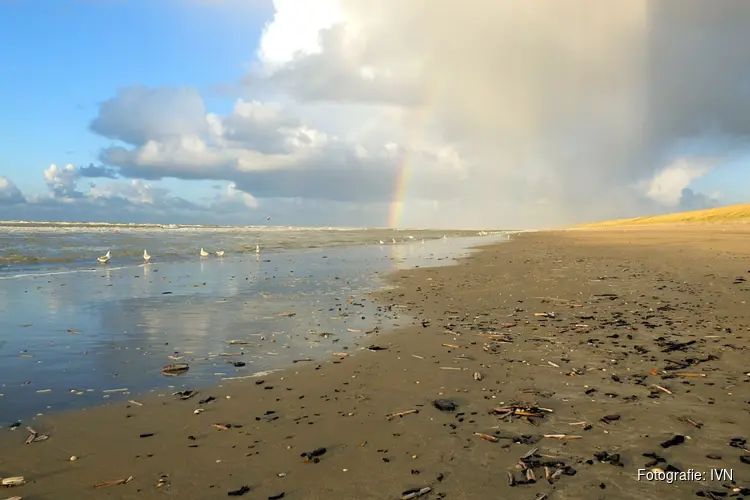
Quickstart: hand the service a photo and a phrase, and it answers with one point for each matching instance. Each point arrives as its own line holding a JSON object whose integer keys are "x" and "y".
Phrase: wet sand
{"x": 585, "y": 324}
{"x": 80, "y": 337}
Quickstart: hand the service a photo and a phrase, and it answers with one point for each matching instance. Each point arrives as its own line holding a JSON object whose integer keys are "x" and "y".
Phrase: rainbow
{"x": 415, "y": 129}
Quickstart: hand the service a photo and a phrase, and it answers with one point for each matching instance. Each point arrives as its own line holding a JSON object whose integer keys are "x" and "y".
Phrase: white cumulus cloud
{"x": 9, "y": 192}
{"x": 494, "y": 113}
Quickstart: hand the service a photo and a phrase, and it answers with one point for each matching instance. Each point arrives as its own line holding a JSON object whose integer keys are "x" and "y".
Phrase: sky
{"x": 411, "y": 113}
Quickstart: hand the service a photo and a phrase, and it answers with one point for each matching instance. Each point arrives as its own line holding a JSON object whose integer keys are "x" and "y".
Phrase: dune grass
{"x": 730, "y": 214}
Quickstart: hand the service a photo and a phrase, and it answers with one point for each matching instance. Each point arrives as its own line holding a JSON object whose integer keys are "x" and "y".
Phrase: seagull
{"x": 411, "y": 237}
{"x": 104, "y": 258}
{"x": 257, "y": 248}
{"x": 146, "y": 256}
{"x": 381, "y": 242}
{"x": 203, "y": 253}
{"x": 219, "y": 253}
{"x": 423, "y": 241}
{"x": 393, "y": 240}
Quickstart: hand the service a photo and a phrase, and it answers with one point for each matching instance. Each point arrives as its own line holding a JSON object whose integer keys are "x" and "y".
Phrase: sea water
{"x": 75, "y": 333}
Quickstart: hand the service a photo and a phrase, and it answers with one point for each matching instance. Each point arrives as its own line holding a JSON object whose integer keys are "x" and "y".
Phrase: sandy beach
{"x": 557, "y": 364}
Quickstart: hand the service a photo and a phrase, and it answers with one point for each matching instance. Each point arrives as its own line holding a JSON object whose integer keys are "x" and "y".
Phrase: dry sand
{"x": 623, "y": 302}
{"x": 732, "y": 214}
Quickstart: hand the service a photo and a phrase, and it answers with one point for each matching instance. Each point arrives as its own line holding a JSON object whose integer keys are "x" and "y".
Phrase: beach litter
{"x": 413, "y": 493}
{"x": 553, "y": 469}
{"x": 487, "y": 437}
{"x": 9, "y": 482}
{"x": 185, "y": 395}
{"x": 34, "y": 436}
{"x": 314, "y": 455}
{"x": 526, "y": 412}
{"x": 238, "y": 492}
{"x": 393, "y": 415}
{"x": 174, "y": 369}
{"x": 114, "y": 482}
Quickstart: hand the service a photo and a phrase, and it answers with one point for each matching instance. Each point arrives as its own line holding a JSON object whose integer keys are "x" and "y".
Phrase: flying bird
{"x": 105, "y": 258}
{"x": 146, "y": 256}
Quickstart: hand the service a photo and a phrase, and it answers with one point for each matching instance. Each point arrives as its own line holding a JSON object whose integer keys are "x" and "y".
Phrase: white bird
{"x": 381, "y": 242}
{"x": 257, "y": 248}
{"x": 104, "y": 258}
{"x": 219, "y": 253}
{"x": 393, "y": 240}
{"x": 203, "y": 253}
{"x": 146, "y": 256}
{"x": 411, "y": 237}
{"x": 423, "y": 241}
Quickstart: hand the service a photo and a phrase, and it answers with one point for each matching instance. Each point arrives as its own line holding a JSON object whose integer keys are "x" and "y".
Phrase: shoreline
{"x": 545, "y": 319}
{"x": 82, "y": 339}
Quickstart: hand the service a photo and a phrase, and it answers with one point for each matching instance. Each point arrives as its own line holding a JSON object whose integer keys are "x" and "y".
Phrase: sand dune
{"x": 729, "y": 214}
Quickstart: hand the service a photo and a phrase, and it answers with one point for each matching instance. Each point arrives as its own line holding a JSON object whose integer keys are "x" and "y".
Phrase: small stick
{"x": 530, "y": 477}
{"x": 578, "y": 423}
{"x": 418, "y": 357}
{"x": 341, "y": 354}
{"x": 416, "y": 494}
{"x": 562, "y": 436}
{"x": 451, "y": 346}
{"x": 529, "y": 453}
{"x": 662, "y": 388}
{"x": 450, "y": 368}
{"x": 690, "y": 421}
{"x": 487, "y": 437}
{"x": 555, "y": 475}
{"x": 690, "y": 374}
{"x": 393, "y": 415}
{"x": 523, "y": 413}
{"x": 135, "y": 402}
{"x": 221, "y": 427}
{"x": 547, "y": 473}
{"x": 115, "y": 482}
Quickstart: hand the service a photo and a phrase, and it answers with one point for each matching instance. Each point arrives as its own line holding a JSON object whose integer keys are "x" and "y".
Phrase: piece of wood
{"x": 562, "y": 436}
{"x": 391, "y": 416}
{"x": 487, "y": 437}
{"x": 663, "y": 389}
{"x": 115, "y": 482}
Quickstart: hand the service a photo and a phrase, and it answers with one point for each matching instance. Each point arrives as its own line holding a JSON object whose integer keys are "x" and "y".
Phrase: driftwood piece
{"x": 114, "y": 482}
{"x": 393, "y": 415}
